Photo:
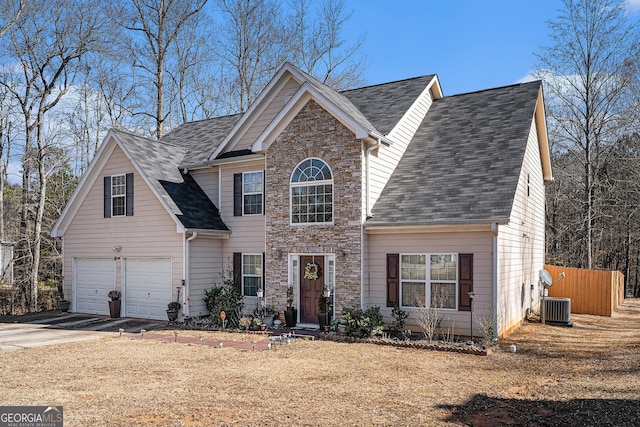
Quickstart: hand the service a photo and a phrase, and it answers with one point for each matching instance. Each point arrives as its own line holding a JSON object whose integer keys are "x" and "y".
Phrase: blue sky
{"x": 471, "y": 44}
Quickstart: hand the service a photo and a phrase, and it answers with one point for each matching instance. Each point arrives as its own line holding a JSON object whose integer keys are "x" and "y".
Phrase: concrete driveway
{"x": 67, "y": 328}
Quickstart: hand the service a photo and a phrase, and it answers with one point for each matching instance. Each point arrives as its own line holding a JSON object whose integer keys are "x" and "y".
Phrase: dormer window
{"x": 312, "y": 193}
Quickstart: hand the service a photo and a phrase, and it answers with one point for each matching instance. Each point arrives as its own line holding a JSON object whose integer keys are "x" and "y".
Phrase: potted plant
{"x": 256, "y": 324}
{"x": 63, "y": 304}
{"x": 269, "y": 314}
{"x": 290, "y": 314}
{"x": 172, "y": 310}
{"x": 114, "y": 304}
{"x": 323, "y": 308}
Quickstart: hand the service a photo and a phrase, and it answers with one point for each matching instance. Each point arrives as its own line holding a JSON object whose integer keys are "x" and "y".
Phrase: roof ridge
{"x": 204, "y": 120}
{"x": 157, "y": 141}
{"x": 387, "y": 83}
{"x": 493, "y": 88}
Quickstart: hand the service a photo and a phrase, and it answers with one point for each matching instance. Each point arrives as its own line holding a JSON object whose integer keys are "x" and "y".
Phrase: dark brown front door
{"x": 310, "y": 289}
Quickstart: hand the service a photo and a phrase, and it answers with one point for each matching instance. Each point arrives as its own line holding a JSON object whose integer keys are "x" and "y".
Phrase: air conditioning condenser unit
{"x": 557, "y": 311}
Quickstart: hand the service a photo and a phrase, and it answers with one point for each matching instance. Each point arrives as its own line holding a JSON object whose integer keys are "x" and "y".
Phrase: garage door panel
{"x": 94, "y": 278}
{"x": 148, "y": 288}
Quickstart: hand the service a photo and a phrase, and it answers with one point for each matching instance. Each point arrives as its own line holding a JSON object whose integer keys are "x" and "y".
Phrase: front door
{"x": 310, "y": 288}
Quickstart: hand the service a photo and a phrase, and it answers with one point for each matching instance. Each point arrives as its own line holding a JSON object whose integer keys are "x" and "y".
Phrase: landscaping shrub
{"x": 361, "y": 324}
{"x": 225, "y": 297}
{"x": 400, "y": 317}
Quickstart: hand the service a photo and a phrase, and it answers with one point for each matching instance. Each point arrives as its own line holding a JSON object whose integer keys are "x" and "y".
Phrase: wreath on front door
{"x": 312, "y": 271}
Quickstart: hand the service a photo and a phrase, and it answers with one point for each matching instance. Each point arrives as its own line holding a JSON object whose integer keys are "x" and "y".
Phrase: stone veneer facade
{"x": 315, "y": 133}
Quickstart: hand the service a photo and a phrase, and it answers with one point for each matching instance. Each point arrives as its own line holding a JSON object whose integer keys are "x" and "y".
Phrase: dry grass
{"x": 586, "y": 375}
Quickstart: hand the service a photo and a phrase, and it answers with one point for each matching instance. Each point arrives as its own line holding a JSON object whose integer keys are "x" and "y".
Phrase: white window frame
{"x": 258, "y": 275}
{"x": 252, "y": 193}
{"x": 324, "y": 182}
{"x": 123, "y": 195}
{"x": 428, "y": 281}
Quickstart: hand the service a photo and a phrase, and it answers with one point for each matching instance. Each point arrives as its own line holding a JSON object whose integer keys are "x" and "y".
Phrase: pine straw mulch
{"x": 585, "y": 375}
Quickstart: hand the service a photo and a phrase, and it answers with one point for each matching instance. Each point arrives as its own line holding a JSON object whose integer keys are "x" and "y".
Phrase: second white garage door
{"x": 147, "y": 288}
{"x": 93, "y": 279}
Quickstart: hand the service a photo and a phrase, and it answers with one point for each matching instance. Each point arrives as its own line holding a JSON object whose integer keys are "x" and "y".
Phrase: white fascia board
{"x": 435, "y": 88}
{"x": 305, "y": 93}
{"x": 543, "y": 137}
{"x": 215, "y": 234}
{"x": 258, "y": 106}
{"x": 440, "y": 228}
{"x": 86, "y": 182}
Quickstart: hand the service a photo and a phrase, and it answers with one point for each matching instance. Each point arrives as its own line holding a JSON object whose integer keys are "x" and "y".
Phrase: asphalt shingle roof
{"x": 463, "y": 164}
{"x": 385, "y": 104}
{"x": 200, "y": 139}
{"x": 159, "y": 162}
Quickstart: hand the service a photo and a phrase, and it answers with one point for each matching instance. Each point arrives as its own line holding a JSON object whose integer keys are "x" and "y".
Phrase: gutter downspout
{"x": 494, "y": 232}
{"x": 187, "y": 274}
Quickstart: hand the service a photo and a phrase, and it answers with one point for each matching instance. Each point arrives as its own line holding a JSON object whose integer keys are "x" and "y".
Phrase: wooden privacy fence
{"x": 591, "y": 291}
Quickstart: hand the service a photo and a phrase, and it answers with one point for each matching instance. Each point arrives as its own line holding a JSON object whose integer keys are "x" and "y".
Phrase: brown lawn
{"x": 585, "y": 375}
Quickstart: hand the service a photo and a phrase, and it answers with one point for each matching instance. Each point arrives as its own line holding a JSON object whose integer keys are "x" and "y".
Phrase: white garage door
{"x": 147, "y": 288}
{"x": 94, "y": 278}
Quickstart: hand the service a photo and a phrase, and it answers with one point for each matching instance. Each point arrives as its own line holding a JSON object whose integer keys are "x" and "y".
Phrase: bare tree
{"x": 156, "y": 26}
{"x": 250, "y": 46}
{"x": 316, "y": 45}
{"x": 46, "y": 44}
{"x": 588, "y": 75}
{"x": 10, "y": 11}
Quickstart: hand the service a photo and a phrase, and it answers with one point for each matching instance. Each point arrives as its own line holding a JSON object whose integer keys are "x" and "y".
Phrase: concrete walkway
{"x": 66, "y": 328}
{"x": 17, "y": 336}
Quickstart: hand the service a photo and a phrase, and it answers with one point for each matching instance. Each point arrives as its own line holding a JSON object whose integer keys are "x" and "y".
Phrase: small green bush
{"x": 225, "y": 297}
{"x": 400, "y": 317}
{"x": 361, "y": 324}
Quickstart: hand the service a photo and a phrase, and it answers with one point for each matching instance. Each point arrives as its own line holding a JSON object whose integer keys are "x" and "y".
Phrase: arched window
{"x": 311, "y": 193}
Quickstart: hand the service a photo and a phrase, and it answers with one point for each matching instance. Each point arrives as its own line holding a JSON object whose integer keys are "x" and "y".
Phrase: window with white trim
{"x": 311, "y": 193}
{"x": 252, "y": 193}
{"x": 118, "y": 195}
{"x": 429, "y": 277}
{"x": 251, "y": 274}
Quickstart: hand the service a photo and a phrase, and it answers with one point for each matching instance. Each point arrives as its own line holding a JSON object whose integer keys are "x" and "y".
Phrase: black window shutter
{"x": 129, "y": 193}
{"x": 107, "y": 197}
{"x": 264, "y": 285}
{"x": 465, "y": 281}
{"x": 237, "y": 194}
{"x": 237, "y": 270}
{"x": 393, "y": 280}
{"x": 264, "y": 192}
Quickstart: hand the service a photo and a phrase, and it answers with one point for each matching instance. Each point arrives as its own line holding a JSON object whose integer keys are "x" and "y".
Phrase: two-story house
{"x": 392, "y": 194}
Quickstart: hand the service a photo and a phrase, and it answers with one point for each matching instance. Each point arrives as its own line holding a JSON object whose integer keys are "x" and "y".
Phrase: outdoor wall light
{"x": 279, "y": 253}
{"x": 342, "y": 252}
{"x": 116, "y": 248}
